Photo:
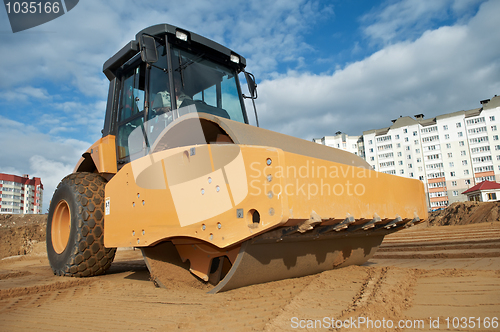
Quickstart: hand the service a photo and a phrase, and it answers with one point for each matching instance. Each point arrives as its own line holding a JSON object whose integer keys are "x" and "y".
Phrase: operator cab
{"x": 164, "y": 75}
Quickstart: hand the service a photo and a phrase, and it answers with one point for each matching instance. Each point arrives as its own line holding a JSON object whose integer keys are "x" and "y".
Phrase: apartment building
{"x": 20, "y": 194}
{"x": 449, "y": 153}
{"x": 353, "y": 144}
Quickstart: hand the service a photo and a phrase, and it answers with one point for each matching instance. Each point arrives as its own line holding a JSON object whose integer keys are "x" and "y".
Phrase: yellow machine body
{"x": 213, "y": 199}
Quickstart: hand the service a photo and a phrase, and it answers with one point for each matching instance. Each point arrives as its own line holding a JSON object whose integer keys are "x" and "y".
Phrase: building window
{"x": 421, "y": 178}
{"x": 477, "y": 130}
{"x": 407, "y": 148}
{"x": 455, "y": 193}
{"x": 447, "y": 136}
{"x": 398, "y": 145}
{"x": 372, "y": 158}
{"x": 429, "y": 129}
{"x": 459, "y": 125}
{"x": 464, "y": 162}
{"x": 445, "y": 127}
{"x": 495, "y": 137}
{"x": 437, "y": 185}
{"x": 453, "y": 183}
{"x": 478, "y": 139}
{"x": 461, "y": 143}
{"x": 452, "y": 173}
{"x": 399, "y": 154}
{"x": 396, "y": 136}
{"x": 371, "y": 149}
{"x": 400, "y": 162}
{"x": 435, "y": 175}
{"x": 460, "y": 134}
{"x": 485, "y": 178}
{"x": 405, "y": 131}
{"x": 492, "y": 118}
{"x": 463, "y": 153}
{"x": 492, "y": 196}
{"x": 451, "y": 164}
{"x": 448, "y": 145}
{"x": 430, "y": 139}
{"x": 481, "y": 159}
{"x": 467, "y": 181}
{"x": 406, "y": 139}
{"x": 384, "y": 147}
{"x": 415, "y": 133}
{"x": 419, "y": 160}
{"x": 450, "y": 155}
{"x": 420, "y": 169}
{"x": 417, "y": 150}
{"x": 384, "y": 138}
{"x": 411, "y": 175}
{"x": 474, "y": 121}
{"x": 402, "y": 171}
{"x": 494, "y": 128}
{"x": 370, "y": 142}
{"x": 466, "y": 172}
{"x": 387, "y": 164}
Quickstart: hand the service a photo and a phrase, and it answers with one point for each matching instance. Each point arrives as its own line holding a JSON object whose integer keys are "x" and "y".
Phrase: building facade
{"x": 353, "y": 144}
{"x": 449, "y": 153}
{"x": 20, "y": 194}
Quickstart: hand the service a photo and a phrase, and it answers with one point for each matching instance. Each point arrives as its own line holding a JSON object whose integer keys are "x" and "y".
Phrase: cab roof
{"x": 160, "y": 31}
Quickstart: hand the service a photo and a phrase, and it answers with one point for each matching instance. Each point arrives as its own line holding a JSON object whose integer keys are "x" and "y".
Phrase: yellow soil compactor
{"x": 180, "y": 174}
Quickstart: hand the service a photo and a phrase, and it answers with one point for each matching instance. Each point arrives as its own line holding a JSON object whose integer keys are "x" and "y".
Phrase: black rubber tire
{"x": 84, "y": 254}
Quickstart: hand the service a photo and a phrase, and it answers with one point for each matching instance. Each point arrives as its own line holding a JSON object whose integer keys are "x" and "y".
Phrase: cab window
{"x": 131, "y": 111}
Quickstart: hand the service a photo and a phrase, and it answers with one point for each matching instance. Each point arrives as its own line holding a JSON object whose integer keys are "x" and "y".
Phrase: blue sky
{"x": 321, "y": 67}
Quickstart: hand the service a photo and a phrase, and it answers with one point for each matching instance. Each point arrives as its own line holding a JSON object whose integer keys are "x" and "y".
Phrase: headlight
{"x": 234, "y": 58}
{"x": 181, "y": 35}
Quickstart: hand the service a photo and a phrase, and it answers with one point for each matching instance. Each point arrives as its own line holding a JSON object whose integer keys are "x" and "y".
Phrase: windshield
{"x": 211, "y": 87}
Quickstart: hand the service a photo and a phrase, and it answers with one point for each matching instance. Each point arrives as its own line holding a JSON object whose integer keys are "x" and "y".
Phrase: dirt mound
{"x": 18, "y": 233}
{"x": 464, "y": 213}
{"x": 16, "y": 220}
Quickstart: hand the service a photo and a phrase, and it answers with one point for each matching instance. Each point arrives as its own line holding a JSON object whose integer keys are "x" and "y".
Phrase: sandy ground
{"x": 418, "y": 276}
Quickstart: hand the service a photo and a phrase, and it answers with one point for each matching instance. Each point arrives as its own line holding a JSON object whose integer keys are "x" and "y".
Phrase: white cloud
{"x": 407, "y": 19}
{"x": 25, "y": 150}
{"x": 68, "y": 53}
{"x": 25, "y": 94}
{"x": 74, "y": 47}
{"x": 88, "y": 116}
{"x": 445, "y": 70}
{"x": 51, "y": 172}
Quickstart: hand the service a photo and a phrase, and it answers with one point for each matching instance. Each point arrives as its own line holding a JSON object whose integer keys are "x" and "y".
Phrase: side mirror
{"x": 252, "y": 86}
{"x": 149, "y": 53}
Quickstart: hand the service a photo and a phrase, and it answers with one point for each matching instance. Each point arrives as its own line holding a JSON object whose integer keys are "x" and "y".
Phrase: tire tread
{"x": 87, "y": 259}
